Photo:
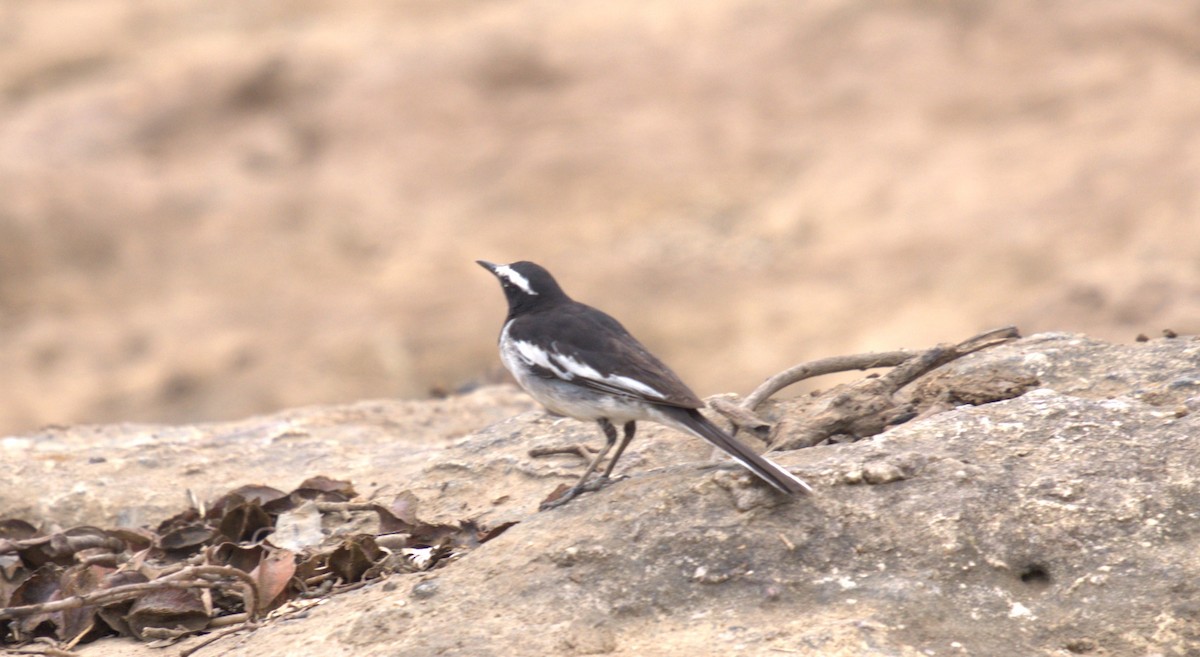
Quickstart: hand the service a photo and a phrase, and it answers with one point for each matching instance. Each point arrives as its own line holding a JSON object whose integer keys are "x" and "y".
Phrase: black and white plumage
{"x": 580, "y": 362}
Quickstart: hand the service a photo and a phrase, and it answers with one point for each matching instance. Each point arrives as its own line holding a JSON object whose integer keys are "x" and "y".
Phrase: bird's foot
{"x": 590, "y": 486}
{"x": 567, "y": 495}
{"x": 600, "y": 482}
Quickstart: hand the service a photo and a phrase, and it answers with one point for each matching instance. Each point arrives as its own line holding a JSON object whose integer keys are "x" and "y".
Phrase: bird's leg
{"x": 630, "y": 427}
{"x": 581, "y": 486}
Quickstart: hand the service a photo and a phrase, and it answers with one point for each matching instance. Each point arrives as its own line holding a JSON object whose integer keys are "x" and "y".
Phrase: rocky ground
{"x": 1059, "y": 522}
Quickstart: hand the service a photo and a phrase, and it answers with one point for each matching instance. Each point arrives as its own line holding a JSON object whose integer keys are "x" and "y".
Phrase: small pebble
{"x": 424, "y": 590}
{"x": 882, "y": 472}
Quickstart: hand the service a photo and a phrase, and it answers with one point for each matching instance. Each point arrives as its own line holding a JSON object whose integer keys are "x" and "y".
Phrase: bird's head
{"x": 526, "y": 285}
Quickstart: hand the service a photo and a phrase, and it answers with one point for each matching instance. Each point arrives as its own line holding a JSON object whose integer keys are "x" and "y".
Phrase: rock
{"x": 1061, "y": 521}
{"x": 882, "y": 472}
{"x": 426, "y": 589}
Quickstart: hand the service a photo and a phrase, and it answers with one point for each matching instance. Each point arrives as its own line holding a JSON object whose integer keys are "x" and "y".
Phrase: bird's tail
{"x": 693, "y": 422}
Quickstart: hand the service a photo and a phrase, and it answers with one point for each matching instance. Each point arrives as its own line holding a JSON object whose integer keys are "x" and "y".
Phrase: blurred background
{"x": 213, "y": 208}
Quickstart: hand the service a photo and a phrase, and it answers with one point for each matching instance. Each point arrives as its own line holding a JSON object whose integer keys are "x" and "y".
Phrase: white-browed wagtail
{"x": 580, "y": 362}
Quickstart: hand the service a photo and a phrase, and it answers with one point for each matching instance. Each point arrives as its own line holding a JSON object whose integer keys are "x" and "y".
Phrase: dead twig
{"x": 741, "y": 416}
{"x": 63, "y": 543}
{"x": 109, "y": 559}
{"x": 861, "y": 409}
{"x": 867, "y": 407}
{"x": 279, "y": 614}
{"x": 192, "y": 577}
{"x": 934, "y": 358}
{"x": 102, "y": 598}
{"x": 319, "y": 579}
{"x": 48, "y": 651}
{"x": 582, "y": 451}
{"x": 228, "y": 620}
{"x": 250, "y": 595}
{"x": 823, "y": 366}
{"x": 928, "y": 359}
{"x": 48, "y": 647}
{"x": 217, "y": 636}
{"x": 335, "y": 507}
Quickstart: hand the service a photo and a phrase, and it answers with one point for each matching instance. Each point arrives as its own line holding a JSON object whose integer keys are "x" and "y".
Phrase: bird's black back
{"x": 591, "y": 336}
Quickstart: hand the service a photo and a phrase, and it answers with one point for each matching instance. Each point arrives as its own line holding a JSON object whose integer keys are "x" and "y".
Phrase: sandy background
{"x": 211, "y": 208}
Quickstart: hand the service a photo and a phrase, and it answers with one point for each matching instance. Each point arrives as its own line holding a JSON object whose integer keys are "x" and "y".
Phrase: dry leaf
{"x": 79, "y": 580}
{"x": 42, "y": 586}
{"x": 273, "y": 574}
{"x": 324, "y": 484}
{"x": 258, "y": 493}
{"x": 185, "y": 538}
{"x": 354, "y": 556}
{"x": 167, "y": 609}
{"x": 36, "y": 569}
{"x": 15, "y": 529}
{"x": 245, "y": 522}
{"x": 12, "y": 573}
{"x": 114, "y": 615}
{"x": 242, "y": 557}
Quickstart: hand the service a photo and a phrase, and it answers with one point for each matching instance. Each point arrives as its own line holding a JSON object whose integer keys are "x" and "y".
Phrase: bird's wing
{"x": 586, "y": 347}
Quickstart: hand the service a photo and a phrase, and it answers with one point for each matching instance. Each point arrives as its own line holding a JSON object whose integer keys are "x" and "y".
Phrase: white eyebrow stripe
{"x": 512, "y": 276}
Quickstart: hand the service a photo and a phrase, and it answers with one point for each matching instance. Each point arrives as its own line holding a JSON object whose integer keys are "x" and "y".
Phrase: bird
{"x": 580, "y": 362}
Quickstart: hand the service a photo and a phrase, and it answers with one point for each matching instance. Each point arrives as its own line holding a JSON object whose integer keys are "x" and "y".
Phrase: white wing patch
{"x": 568, "y": 368}
{"x": 535, "y": 355}
{"x": 575, "y": 368}
{"x": 513, "y": 276}
{"x": 634, "y": 384}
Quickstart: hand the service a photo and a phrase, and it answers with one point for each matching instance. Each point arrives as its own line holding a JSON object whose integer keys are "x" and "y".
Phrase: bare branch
{"x": 336, "y": 507}
{"x": 867, "y": 407}
{"x": 935, "y": 357}
{"x": 217, "y": 636}
{"x": 250, "y": 594}
{"x": 582, "y": 451}
{"x": 823, "y": 366}
{"x": 741, "y": 417}
{"x": 184, "y": 579}
{"x": 939, "y": 355}
{"x": 102, "y": 597}
{"x": 47, "y": 647}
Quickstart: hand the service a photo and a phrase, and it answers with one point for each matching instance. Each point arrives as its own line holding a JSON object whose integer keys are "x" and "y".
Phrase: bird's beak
{"x": 487, "y": 265}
